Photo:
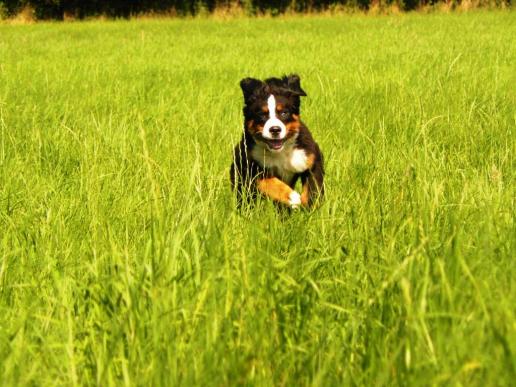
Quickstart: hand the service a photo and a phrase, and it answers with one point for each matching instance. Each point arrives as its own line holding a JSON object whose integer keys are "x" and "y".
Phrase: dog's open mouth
{"x": 275, "y": 144}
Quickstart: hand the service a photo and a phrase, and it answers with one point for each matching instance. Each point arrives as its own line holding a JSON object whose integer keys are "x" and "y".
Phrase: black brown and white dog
{"x": 276, "y": 148}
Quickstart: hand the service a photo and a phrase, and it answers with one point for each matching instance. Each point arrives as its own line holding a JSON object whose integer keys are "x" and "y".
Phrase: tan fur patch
{"x": 253, "y": 128}
{"x": 293, "y": 126}
{"x": 304, "y": 195}
{"x": 310, "y": 159}
{"x": 275, "y": 189}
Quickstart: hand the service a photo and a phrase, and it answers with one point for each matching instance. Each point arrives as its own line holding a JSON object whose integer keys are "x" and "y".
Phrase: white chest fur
{"x": 284, "y": 164}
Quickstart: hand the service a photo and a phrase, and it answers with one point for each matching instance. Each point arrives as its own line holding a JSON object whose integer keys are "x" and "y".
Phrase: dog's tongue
{"x": 276, "y": 144}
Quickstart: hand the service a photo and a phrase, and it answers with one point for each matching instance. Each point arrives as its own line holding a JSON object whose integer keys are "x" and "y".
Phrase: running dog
{"x": 276, "y": 148}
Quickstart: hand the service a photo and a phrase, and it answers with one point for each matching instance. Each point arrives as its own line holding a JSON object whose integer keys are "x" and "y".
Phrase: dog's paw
{"x": 294, "y": 200}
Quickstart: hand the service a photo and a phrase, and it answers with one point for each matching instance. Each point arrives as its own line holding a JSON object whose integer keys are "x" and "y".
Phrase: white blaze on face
{"x": 273, "y": 121}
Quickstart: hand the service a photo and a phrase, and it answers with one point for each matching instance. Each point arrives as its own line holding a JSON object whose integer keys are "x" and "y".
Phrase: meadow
{"x": 124, "y": 262}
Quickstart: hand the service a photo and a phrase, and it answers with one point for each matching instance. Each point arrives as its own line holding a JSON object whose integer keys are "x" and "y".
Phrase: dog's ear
{"x": 249, "y": 85}
{"x": 293, "y": 83}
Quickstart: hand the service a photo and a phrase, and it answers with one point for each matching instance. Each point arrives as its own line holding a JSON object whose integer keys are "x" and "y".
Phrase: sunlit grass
{"x": 123, "y": 260}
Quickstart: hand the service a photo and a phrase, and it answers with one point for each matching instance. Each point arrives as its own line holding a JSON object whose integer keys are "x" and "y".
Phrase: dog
{"x": 276, "y": 148}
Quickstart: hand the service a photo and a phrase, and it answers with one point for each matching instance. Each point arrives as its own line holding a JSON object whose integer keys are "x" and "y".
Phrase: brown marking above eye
{"x": 265, "y": 109}
{"x": 279, "y": 107}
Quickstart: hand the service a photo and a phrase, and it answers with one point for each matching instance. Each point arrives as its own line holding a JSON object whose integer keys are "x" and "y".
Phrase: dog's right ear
{"x": 293, "y": 83}
{"x": 249, "y": 85}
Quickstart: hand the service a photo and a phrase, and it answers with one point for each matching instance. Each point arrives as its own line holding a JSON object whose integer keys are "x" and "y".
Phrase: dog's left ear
{"x": 249, "y": 85}
{"x": 293, "y": 83}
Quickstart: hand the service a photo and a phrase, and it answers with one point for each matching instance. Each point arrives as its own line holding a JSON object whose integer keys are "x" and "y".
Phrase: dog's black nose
{"x": 275, "y": 130}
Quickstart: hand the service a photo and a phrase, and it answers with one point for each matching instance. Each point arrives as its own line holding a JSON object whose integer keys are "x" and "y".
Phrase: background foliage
{"x": 57, "y": 9}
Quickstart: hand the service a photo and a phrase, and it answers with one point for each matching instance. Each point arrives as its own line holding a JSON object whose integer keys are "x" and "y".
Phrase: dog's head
{"x": 271, "y": 109}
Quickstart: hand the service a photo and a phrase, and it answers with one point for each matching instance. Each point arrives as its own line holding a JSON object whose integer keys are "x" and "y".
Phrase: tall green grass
{"x": 123, "y": 260}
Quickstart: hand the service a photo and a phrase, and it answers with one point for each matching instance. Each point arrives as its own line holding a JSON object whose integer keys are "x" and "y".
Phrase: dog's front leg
{"x": 313, "y": 186}
{"x": 277, "y": 190}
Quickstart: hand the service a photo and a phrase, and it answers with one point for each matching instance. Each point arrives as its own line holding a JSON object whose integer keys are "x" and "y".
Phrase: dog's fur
{"x": 276, "y": 148}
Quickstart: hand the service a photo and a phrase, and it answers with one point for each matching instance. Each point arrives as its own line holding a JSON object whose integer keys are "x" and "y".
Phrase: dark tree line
{"x": 57, "y": 9}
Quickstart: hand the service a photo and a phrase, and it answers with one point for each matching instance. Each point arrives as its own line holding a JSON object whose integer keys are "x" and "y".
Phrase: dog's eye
{"x": 284, "y": 114}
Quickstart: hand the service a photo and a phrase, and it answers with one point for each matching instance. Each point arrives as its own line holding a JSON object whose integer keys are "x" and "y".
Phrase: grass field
{"x": 123, "y": 260}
